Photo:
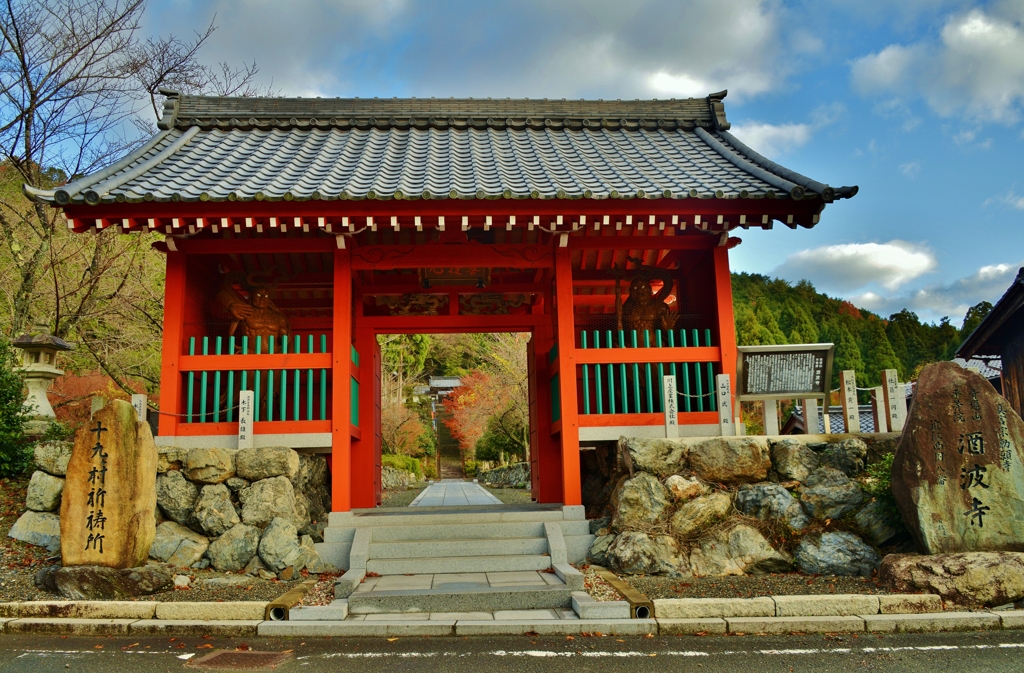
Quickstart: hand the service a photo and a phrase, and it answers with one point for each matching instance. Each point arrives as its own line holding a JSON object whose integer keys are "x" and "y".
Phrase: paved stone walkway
{"x": 451, "y": 492}
{"x": 460, "y": 581}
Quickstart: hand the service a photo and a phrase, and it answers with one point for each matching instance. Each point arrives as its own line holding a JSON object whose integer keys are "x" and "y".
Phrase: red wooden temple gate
{"x": 364, "y": 217}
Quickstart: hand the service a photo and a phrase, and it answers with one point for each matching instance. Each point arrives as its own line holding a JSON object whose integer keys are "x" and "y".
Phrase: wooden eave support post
{"x": 566, "y": 336}
{"x": 174, "y": 318}
{"x": 341, "y": 437}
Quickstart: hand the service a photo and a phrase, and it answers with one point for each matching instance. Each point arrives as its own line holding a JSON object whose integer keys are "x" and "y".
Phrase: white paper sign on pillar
{"x": 245, "y": 412}
{"x": 139, "y": 402}
{"x": 669, "y": 394}
{"x": 723, "y": 391}
{"x": 848, "y": 389}
{"x": 895, "y": 400}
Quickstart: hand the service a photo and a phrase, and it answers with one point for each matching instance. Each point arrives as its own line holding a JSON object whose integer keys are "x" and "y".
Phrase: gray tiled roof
{"x": 240, "y": 149}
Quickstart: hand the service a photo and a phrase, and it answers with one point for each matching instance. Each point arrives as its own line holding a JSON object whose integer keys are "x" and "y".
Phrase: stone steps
{"x": 411, "y": 549}
{"x": 463, "y": 600}
{"x": 458, "y": 564}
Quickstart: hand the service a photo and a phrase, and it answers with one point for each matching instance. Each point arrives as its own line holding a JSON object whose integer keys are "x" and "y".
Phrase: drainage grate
{"x": 233, "y": 660}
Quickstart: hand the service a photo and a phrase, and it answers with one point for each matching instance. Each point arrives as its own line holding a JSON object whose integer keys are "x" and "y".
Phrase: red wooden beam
{"x": 603, "y": 356}
{"x": 466, "y": 255}
{"x": 441, "y": 324}
{"x": 341, "y": 392}
{"x": 210, "y": 363}
{"x": 726, "y": 324}
{"x": 454, "y": 209}
{"x": 681, "y": 242}
{"x": 174, "y": 319}
{"x": 259, "y": 428}
{"x": 616, "y": 420}
{"x": 566, "y": 336}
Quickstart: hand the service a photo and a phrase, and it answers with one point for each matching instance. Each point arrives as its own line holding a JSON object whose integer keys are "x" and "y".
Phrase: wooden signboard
{"x": 788, "y": 372}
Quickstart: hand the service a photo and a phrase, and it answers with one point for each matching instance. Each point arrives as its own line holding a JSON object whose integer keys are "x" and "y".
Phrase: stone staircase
{"x": 457, "y": 558}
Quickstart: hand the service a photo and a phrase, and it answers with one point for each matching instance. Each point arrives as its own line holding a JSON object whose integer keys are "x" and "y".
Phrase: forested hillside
{"x": 773, "y": 311}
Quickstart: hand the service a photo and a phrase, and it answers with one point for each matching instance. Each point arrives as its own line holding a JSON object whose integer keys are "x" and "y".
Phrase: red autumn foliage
{"x": 470, "y": 406}
{"x": 846, "y": 308}
{"x": 71, "y": 395}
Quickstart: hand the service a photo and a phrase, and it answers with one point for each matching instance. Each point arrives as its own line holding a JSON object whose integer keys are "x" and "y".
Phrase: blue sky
{"x": 919, "y": 102}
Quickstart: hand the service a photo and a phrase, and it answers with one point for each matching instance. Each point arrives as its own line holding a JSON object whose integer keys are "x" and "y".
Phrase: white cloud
{"x": 778, "y": 139}
{"x": 911, "y": 169}
{"x": 1008, "y": 200}
{"x": 952, "y": 299}
{"x": 772, "y": 139}
{"x": 974, "y": 67}
{"x": 536, "y": 48}
{"x": 849, "y": 267}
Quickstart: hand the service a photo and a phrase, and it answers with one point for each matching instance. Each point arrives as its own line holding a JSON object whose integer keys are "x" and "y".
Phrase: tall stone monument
{"x": 107, "y": 511}
{"x": 957, "y": 476}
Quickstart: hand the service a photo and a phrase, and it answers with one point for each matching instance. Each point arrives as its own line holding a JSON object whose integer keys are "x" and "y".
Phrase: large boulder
{"x": 214, "y": 512}
{"x": 312, "y": 499}
{"x": 102, "y": 583}
{"x": 657, "y": 456}
{"x": 210, "y": 465}
{"x": 698, "y": 514}
{"x": 830, "y": 494}
{"x": 731, "y": 460}
{"x": 177, "y": 545}
{"x": 233, "y": 550}
{"x": 41, "y": 529}
{"x": 957, "y": 475}
{"x": 279, "y": 546}
{"x": 638, "y": 502}
{"x": 43, "y": 492}
{"x": 792, "y": 460}
{"x": 771, "y": 501}
{"x": 53, "y": 457}
{"x": 879, "y": 522}
{"x": 267, "y": 499}
{"x": 265, "y": 462}
{"x": 176, "y": 496}
{"x": 171, "y": 458}
{"x": 848, "y": 456}
{"x": 737, "y": 551}
{"x": 108, "y": 508}
{"x": 685, "y": 488}
{"x": 636, "y": 553}
{"x": 969, "y": 579}
{"x": 598, "y": 553}
{"x": 836, "y": 553}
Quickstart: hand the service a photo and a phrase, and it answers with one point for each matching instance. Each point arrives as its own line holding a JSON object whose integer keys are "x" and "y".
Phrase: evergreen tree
{"x": 879, "y": 355}
{"x": 15, "y": 456}
{"x": 975, "y": 315}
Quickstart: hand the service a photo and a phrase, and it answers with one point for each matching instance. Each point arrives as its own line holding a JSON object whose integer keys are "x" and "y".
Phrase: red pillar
{"x": 546, "y": 461}
{"x": 363, "y": 463}
{"x": 341, "y": 375}
{"x": 566, "y": 338}
{"x": 726, "y": 322}
{"x": 174, "y": 318}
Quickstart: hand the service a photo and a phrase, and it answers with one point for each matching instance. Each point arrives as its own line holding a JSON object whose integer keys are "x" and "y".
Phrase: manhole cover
{"x": 233, "y": 660}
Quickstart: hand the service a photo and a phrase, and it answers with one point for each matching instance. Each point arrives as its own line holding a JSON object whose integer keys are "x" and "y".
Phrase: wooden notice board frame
{"x": 823, "y": 390}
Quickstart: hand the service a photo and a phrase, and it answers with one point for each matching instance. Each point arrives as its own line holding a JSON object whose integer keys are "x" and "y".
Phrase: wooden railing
{"x": 621, "y": 372}
{"x": 290, "y": 377}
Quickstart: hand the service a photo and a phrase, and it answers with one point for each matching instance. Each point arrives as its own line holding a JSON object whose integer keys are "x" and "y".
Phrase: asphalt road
{"x": 925, "y": 653}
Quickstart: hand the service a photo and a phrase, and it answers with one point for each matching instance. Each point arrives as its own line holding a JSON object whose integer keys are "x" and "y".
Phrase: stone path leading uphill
{"x": 451, "y": 492}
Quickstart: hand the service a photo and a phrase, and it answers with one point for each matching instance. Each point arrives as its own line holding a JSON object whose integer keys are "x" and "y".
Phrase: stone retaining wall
{"x": 258, "y": 510}
{"x": 738, "y": 505}
{"x": 513, "y": 476}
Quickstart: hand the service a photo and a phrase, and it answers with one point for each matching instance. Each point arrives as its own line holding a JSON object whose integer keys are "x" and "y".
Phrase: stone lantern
{"x": 39, "y": 367}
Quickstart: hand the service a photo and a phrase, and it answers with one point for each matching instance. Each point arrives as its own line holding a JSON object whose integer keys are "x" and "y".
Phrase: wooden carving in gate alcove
{"x": 257, "y": 316}
{"x": 644, "y": 310}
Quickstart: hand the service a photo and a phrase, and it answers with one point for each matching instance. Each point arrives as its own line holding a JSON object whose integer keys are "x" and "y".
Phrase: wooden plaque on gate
{"x": 786, "y": 372}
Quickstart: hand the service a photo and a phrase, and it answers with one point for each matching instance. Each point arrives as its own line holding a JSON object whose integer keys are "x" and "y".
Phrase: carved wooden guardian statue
{"x": 257, "y": 317}
{"x": 644, "y": 310}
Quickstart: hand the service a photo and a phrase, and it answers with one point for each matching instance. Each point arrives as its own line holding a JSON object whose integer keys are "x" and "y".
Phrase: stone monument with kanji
{"x": 107, "y": 511}
{"x": 957, "y": 476}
